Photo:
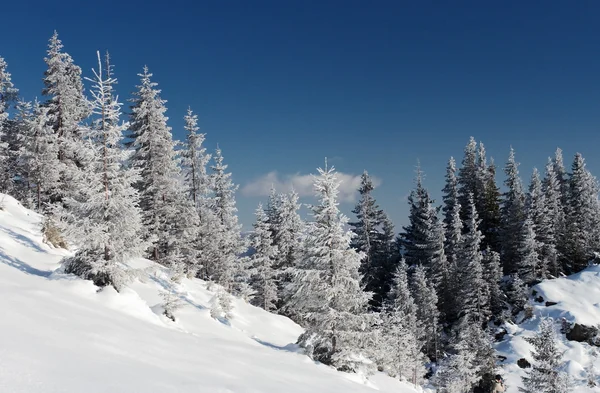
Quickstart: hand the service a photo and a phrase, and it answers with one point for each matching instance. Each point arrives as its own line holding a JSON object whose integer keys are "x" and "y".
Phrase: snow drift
{"x": 59, "y": 334}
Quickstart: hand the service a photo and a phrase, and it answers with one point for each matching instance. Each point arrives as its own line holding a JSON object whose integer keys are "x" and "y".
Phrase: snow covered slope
{"x": 58, "y": 334}
{"x": 577, "y": 299}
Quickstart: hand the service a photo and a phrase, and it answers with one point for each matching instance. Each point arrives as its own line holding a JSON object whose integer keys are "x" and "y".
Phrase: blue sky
{"x": 280, "y": 85}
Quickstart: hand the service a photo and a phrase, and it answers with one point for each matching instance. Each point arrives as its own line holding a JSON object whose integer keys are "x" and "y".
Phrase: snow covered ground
{"x": 58, "y": 334}
{"x": 577, "y": 299}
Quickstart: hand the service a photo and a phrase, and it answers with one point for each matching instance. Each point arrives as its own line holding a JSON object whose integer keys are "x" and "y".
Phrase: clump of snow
{"x": 60, "y": 334}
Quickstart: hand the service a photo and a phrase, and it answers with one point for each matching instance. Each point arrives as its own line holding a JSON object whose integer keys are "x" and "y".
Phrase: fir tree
{"x": 490, "y": 213}
{"x": 492, "y": 275}
{"x": 554, "y": 220}
{"x": 561, "y": 177}
{"x": 327, "y": 294}
{"x": 387, "y": 258}
{"x": 582, "y": 217}
{"x": 165, "y": 210}
{"x": 18, "y": 138}
{"x": 194, "y": 163}
{"x": 402, "y": 354}
{"x": 529, "y": 260}
{"x": 67, "y": 108}
{"x": 546, "y": 375}
{"x": 105, "y": 222}
{"x": 423, "y": 239}
{"x": 226, "y": 268}
{"x": 41, "y": 151}
{"x": 287, "y": 228}
{"x": 473, "y": 296}
{"x": 367, "y": 232}
{"x": 8, "y": 93}
{"x": 468, "y": 178}
{"x": 427, "y": 312}
{"x": 538, "y": 213}
{"x": 262, "y": 260}
{"x": 452, "y": 221}
{"x": 513, "y": 215}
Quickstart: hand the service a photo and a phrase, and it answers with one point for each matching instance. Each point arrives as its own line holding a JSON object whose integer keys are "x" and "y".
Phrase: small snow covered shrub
{"x": 221, "y": 305}
{"x": 171, "y": 303}
{"x": 52, "y": 235}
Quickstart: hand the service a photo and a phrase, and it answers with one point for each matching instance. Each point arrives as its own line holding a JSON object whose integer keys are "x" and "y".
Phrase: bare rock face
{"x": 499, "y": 336}
{"x": 583, "y": 333}
{"x": 548, "y": 303}
{"x": 523, "y": 363}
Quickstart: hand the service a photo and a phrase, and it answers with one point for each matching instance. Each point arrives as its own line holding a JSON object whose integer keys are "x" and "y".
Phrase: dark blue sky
{"x": 371, "y": 85}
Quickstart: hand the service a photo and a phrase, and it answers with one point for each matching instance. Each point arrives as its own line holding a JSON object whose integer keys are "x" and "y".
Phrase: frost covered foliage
{"x": 546, "y": 374}
{"x": 104, "y": 219}
{"x": 327, "y": 294}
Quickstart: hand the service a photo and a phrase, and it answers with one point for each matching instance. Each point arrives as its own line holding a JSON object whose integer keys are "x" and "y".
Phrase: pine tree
{"x": 262, "y": 260}
{"x": 513, "y": 215}
{"x": 105, "y": 222}
{"x": 67, "y": 108}
{"x": 327, "y": 295}
{"x": 226, "y": 268}
{"x": 546, "y": 375}
{"x": 582, "y": 217}
{"x": 367, "y": 233}
{"x": 8, "y": 93}
{"x": 401, "y": 353}
{"x": 428, "y": 315}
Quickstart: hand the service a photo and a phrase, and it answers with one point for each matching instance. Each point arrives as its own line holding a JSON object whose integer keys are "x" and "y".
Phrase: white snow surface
{"x": 58, "y": 333}
{"x": 577, "y": 297}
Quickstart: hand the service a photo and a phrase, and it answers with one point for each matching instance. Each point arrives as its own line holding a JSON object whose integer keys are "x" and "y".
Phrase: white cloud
{"x": 303, "y": 185}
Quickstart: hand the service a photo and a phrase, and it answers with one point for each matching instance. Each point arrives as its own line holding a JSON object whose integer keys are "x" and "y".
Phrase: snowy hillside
{"x": 577, "y": 299}
{"x": 58, "y": 334}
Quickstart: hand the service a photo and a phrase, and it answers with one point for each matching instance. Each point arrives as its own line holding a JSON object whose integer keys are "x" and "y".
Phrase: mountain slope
{"x": 58, "y": 334}
{"x": 577, "y": 300}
